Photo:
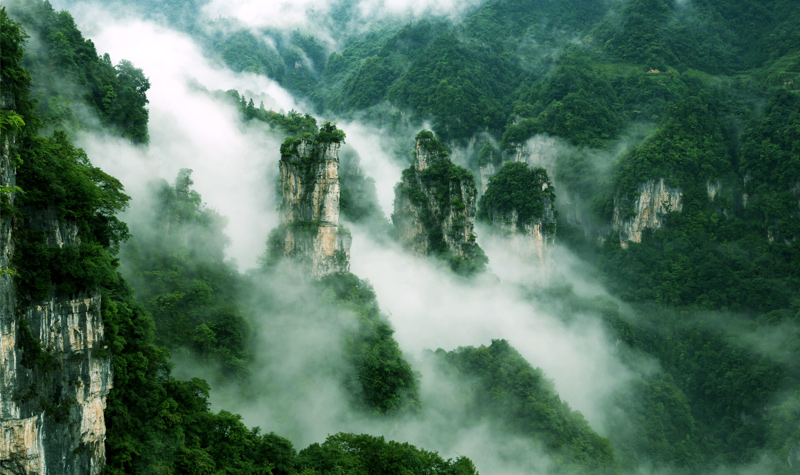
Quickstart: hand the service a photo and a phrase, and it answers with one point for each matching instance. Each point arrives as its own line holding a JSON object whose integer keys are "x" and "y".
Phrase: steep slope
{"x": 434, "y": 208}
{"x": 56, "y": 370}
{"x": 78, "y": 89}
{"x": 520, "y": 204}
{"x": 310, "y": 231}
{"x": 175, "y": 260}
{"x": 506, "y": 392}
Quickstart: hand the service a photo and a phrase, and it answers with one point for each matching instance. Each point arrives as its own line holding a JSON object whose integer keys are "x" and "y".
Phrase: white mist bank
{"x": 430, "y": 308}
{"x": 310, "y": 15}
{"x": 235, "y": 167}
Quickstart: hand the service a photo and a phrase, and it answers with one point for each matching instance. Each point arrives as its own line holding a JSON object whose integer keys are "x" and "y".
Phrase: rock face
{"x": 54, "y": 371}
{"x": 435, "y": 205}
{"x": 656, "y": 200}
{"x": 486, "y": 171}
{"x": 520, "y": 205}
{"x": 309, "y": 230}
{"x": 712, "y": 188}
{"x": 531, "y": 240}
{"x": 538, "y": 152}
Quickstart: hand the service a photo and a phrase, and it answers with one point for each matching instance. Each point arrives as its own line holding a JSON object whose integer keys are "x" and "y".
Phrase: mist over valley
{"x": 495, "y": 236}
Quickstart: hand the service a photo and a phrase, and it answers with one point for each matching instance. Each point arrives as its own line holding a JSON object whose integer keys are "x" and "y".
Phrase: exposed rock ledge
{"x": 655, "y": 201}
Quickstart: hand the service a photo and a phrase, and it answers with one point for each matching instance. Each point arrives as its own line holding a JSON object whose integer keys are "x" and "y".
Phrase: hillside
{"x": 504, "y": 236}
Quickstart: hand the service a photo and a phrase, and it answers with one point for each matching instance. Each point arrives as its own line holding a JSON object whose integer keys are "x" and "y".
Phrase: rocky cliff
{"x": 485, "y": 173}
{"x": 55, "y": 373}
{"x": 538, "y": 152}
{"x": 655, "y": 201}
{"x": 519, "y": 203}
{"x": 435, "y": 205}
{"x": 532, "y": 240}
{"x": 309, "y": 230}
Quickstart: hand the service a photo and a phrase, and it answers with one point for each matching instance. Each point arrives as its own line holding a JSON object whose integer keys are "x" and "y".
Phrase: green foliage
{"x": 659, "y": 428}
{"x": 507, "y": 70}
{"x": 11, "y": 122}
{"x": 327, "y": 134}
{"x": 488, "y": 154}
{"x": 15, "y": 78}
{"x": 516, "y": 187}
{"x": 432, "y": 145}
{"x": 61, "y": 183}
{"x": 437, "y": 193}
{"x": 157, "y": 424}
{"x": 516, "y": 18}
{"x": 242, "y": 51}
{"x": 688, "y": 148}
{"x": 358, "y": 197}
{"x": 34, "y": 355}
{"x": 293, "y": 123}
{"x": 575, "y": 102}
{"x": 711, "y": 405}
{"x": 770, "y": 161}
{"x": 71, "y": 76}
{"x": 295, "y": 60}
{"x": 383, "y": 381}
{"x": 369, "y": 84}
{"x": 176, "y": 265}
{"x": 465, "y": 87}
{"x": 521, "y": 401}
{"x": 714, "y": 253}
{"x": 370, "y": 455}
{"x": 712, "y": 35}
{"x": 360, "y": 75}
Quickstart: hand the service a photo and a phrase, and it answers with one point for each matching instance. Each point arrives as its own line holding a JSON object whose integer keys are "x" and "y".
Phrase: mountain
{"x": 639, "y": 155}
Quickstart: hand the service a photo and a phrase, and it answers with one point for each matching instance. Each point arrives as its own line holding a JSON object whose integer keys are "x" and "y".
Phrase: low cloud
{"x": 431, "y": 309}
{"x": 235, "y": 166}
{"x": 278, "y": 14}
{"x": 312, "y": 16}
{"x": 295, "y": 372}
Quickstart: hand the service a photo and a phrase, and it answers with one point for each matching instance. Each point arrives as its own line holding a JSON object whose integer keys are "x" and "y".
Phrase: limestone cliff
{"x": 713, "y": 188}
{"x": 309, "y": 230}
{"x": 435, "y": 205}
{"x": 486, "y": 172}
{"x": 538, "y": 152}
{"x": 55, "y": 373}
{"x": 655, "y": 201}
{"x": 519, "y": 204}
{"x": 489, "y": 159}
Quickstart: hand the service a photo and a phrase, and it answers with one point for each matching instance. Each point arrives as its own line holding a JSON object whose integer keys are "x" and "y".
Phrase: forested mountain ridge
{"x": 127, "y": 414}
{"x": 667, "y": 128}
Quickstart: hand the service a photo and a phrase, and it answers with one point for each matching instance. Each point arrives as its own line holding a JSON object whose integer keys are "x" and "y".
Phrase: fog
{"x": 309, "y": 15}
{"x": 297, "y": 369}
{"x": 421, "y": 294}
{"x": 235, "y": 170}
{"x": 191, "y": 129}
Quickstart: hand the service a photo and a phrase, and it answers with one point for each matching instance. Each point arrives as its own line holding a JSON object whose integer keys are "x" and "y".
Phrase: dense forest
{"x": 663, "y": 134}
